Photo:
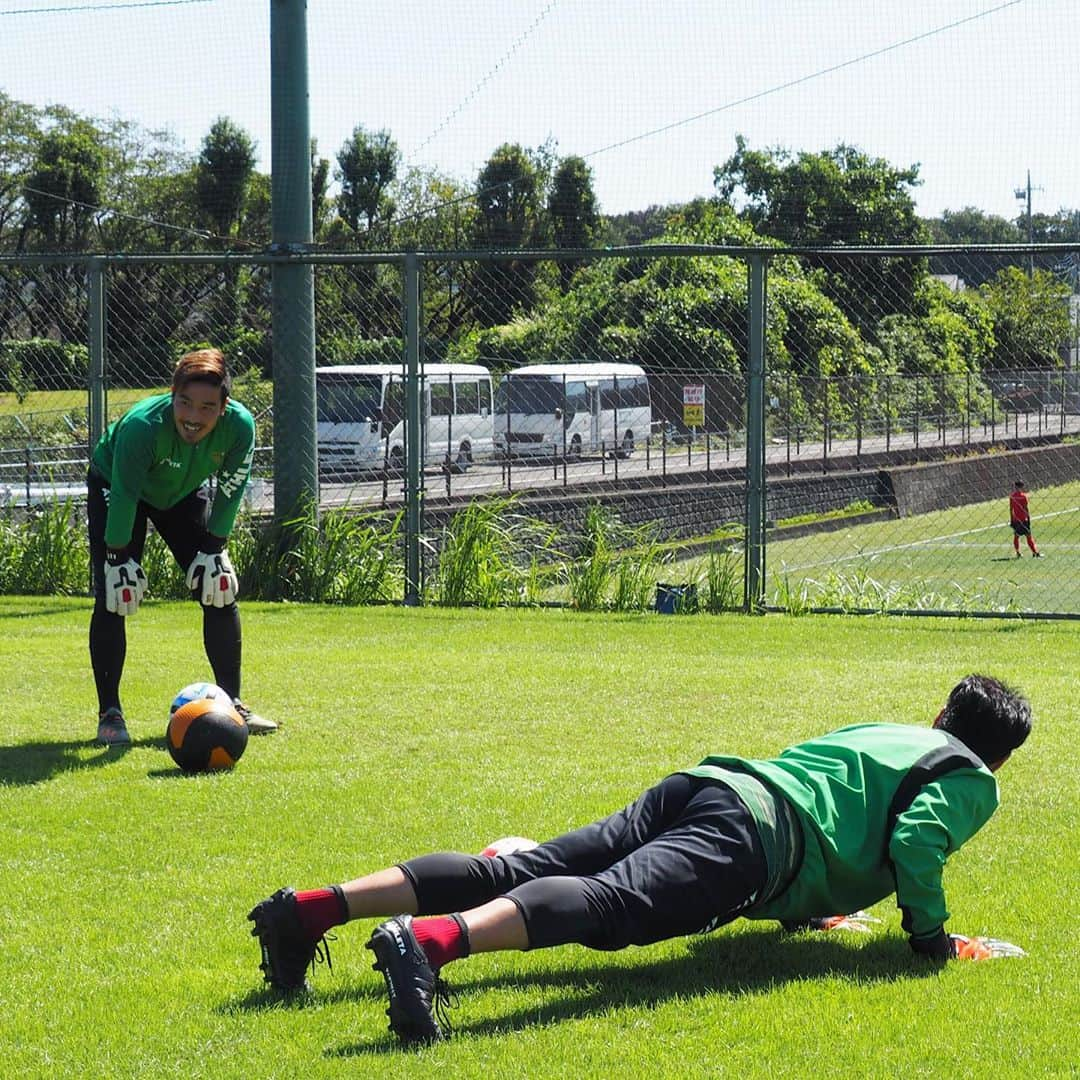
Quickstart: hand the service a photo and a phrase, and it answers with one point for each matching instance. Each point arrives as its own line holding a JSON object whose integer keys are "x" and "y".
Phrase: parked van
{"x": 566, "y": 410}
{"x": 360, "y": 409}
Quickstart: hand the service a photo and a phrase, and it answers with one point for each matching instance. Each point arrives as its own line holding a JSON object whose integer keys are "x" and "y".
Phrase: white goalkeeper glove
{"x": 859, "y": 921}
{"x": 213, "y": 577}
{"x": 125, "y": 584}
{"x": 983, "y": 948}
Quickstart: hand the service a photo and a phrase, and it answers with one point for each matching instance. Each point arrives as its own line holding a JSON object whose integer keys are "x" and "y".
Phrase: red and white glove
{"x": 212, "y": 576}
{"x": 858, "y": 921}
{"x": 983, "y": 948}
{"x": 125, "y": 583}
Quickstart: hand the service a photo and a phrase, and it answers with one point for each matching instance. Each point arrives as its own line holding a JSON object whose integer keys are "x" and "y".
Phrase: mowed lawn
{"x": 962, "y": 557}
{"x": 125, "y": 951}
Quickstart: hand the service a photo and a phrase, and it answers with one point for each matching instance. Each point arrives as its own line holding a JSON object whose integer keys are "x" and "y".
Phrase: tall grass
{"x": 44, "y": 551}
{"x": 337, "y": 557}
{"x": 856, "y": 590}
{"x": 491, "y": 556}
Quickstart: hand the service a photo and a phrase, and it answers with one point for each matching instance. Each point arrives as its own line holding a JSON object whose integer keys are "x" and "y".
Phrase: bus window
{"x": 441, "y": 399}
{"x": 485, "y": 398}
{"x": 394, "y": 407}
{"x": 467, "y": 401}
{"x": 577, "y": 397}
{"x": 348, "y": 400}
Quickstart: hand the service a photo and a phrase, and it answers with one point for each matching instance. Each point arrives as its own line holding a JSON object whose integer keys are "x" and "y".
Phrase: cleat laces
{"x": 443, "y": 999}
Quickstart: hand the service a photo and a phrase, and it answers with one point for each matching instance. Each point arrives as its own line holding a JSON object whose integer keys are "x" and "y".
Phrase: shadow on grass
{"x": 731, "y": 966}
{"x": 36, "y": 762}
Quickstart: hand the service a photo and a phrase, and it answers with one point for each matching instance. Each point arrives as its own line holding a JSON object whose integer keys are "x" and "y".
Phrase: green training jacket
{"x": 881, "y": 807}
{"x": 141, "y": 456}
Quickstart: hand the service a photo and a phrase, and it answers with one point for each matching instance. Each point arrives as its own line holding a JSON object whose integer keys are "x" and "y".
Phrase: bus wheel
{"x": 627, "y": 445}
{"x": 573, "y": 451}
{"x": 395, "y": 464}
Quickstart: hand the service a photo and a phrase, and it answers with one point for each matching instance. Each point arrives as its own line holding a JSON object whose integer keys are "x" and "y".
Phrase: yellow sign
{"x": 693, "y": 406}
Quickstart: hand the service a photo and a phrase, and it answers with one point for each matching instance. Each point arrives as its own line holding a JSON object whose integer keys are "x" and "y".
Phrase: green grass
{"x": 125, "y": 948}
{"x": 961, "y": 558}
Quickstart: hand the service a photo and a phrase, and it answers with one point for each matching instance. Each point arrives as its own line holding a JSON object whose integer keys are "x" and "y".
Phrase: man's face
{"x": 196, "y": 410}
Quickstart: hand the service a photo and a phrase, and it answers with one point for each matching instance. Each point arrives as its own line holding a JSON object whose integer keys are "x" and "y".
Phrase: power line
{"x": 140, "y": 219}
{"x": 522, "y": 38}
{"x": 805, "y": 78}
{"x": 771, "y": 90}
{"x": 103, "y": 7}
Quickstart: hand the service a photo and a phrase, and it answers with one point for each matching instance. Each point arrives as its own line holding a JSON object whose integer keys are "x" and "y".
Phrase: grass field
{"x": 956, "y": 558}
{"x": 125, "y": 952}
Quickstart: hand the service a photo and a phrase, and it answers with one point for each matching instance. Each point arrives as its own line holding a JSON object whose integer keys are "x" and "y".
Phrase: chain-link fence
{"x": 618, "y": 429}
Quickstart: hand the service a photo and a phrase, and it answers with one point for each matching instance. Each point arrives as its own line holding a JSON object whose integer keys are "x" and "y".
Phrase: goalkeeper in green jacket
{"x": 154, "y": 464}
{"x": 829, "y": 826}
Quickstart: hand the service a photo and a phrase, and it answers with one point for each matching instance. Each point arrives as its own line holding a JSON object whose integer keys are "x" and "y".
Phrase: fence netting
{"x": 582, "y": 431}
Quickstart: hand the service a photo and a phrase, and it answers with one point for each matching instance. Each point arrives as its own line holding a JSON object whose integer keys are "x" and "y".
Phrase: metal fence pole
{"x": 414, "y": 478}
{"x": 292, "y": 286}
{"x": 754, "y": 596}
{"x": 96, "y": 393}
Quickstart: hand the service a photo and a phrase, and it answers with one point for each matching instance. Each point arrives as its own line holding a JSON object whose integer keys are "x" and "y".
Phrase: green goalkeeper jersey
{"x": 859, "y": 844}
{"x": 141, "y": 456}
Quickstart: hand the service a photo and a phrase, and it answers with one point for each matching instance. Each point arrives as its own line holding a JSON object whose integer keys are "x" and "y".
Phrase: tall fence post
{"x": 755, "y": 440}
{"x": 96, "y": 403}
{"x": 414, "y": 476}
{"x": 292, "y": 285}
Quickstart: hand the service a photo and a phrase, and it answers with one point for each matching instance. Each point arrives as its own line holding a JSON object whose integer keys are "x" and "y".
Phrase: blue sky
{"x": 650, "y": 93}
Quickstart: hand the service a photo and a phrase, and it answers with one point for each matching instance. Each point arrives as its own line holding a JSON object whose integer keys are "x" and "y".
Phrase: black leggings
{"x": 183, "y": 528}
{"x": 682, "y": 858}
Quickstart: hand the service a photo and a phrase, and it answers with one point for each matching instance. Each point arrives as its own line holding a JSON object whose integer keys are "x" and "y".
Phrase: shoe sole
{"x": 255, "y": 915}
{"x": 113, "y": 740}
{"x": 406, "y": 1031}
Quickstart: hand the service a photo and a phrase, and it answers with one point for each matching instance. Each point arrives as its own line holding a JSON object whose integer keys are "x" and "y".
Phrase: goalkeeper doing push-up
{"x": 154, "y": 463}
{"x": 831, "y": 825}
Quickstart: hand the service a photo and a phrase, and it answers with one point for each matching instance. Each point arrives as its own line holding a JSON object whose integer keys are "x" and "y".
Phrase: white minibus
{"x": 360, "y": 410}
{"x": 566, "y": 410}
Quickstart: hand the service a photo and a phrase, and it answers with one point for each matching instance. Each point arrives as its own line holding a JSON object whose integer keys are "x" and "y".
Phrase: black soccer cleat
{"x": 287, "y": 951}
{"x": 417, "y": 994}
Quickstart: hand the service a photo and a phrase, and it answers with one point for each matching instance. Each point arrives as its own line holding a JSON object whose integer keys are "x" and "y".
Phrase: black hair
{"x": 987, "y": 716}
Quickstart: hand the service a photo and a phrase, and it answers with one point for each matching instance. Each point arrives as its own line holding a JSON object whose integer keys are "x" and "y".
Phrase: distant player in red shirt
{"x": 1020, "y": 520}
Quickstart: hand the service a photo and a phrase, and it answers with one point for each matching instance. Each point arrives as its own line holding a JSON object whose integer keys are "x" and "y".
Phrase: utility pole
{"x": 1021, "y": 193}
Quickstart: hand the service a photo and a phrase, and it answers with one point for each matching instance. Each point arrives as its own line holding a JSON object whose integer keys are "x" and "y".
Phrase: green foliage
{"x": 367, "y": 165}
{"x": 491, "y": 556}
{"x": 1031, "y": 319}
{"x": 42, "y": 364}
{"x": 223, "y": 175}
{"x": 836, "y": 196}
{"x": 340, "y": 557}
{"x": 723, "y": 581}
{"x": 43, "y": 553}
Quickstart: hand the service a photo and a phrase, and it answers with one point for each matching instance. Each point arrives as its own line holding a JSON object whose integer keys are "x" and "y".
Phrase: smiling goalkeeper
{"x": 154, "y": 464}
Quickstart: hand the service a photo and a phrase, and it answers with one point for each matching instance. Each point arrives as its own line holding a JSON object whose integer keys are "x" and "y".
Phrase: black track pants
{"x": 684, "y": 855}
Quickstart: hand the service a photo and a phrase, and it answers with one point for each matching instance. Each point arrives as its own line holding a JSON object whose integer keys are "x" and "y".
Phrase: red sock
{"x": 320, "y": 909}
{"x": 443, "y": 939}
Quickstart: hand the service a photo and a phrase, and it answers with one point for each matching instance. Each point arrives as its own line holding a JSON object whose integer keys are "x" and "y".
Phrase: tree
{"x": 367, "y": 165}
{"x": 223, "y": 176}
{"x": 572, "y": 209}
{"x": 320, "y": 183}
{"x": 64, "y": 186}
{"x": 509, "y": 197}
{"x": 20, "y": 131}
{"x": 839, "y": 196}
{"x": 1031, "y": 319}
{"x": 973, "y": 226}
